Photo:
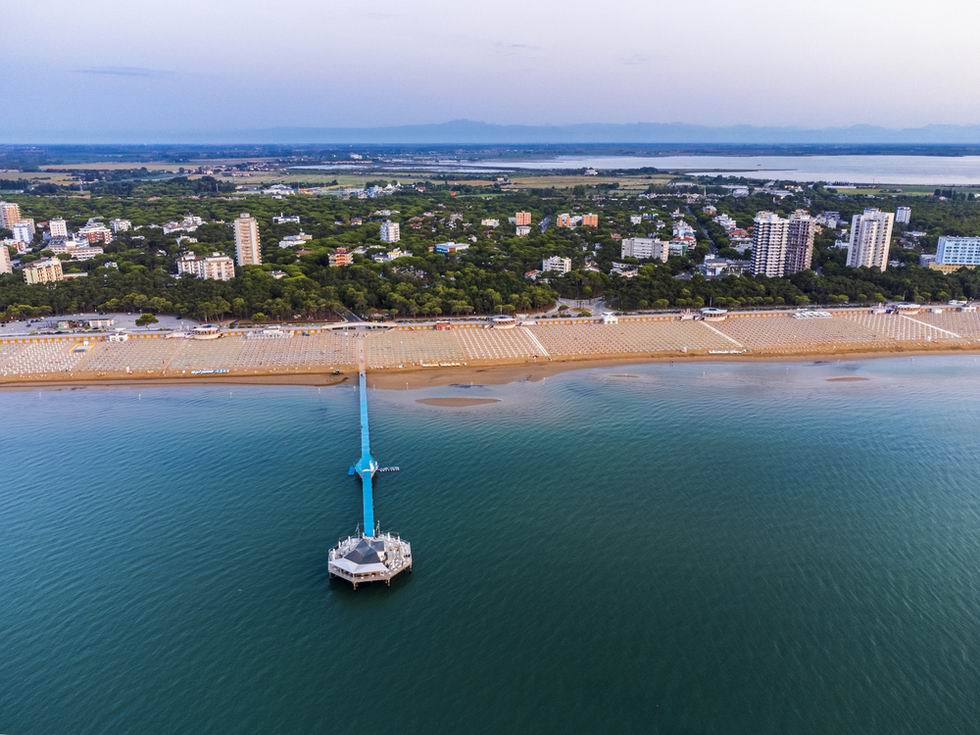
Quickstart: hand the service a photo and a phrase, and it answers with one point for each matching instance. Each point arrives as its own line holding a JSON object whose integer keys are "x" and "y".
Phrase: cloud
{"x": 125, "y": 71}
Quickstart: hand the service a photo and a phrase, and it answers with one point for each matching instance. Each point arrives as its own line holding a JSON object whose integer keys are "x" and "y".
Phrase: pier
{"x": 370, "y": 556}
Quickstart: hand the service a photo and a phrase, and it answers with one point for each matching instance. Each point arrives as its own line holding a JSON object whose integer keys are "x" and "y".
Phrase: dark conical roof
{"x": 366, "y": 552}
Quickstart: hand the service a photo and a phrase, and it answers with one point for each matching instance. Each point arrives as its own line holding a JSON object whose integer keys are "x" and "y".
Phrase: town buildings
{"x": 390, "y": 231}
{"x": 871, "y": 235}
{"x": 556, "y": 264}
{"x": 522, "y": 218}
{"x": 9, "y": 214}
{"x": 57, "y": 227}
{"x": 645, "y": 248}
{"x": 247, "y": 250}
{"x": 215, "y": 267}
{"x": 47, "y": 270}
{"x": 770, "y": 234}
{"x": 903, "y": 215}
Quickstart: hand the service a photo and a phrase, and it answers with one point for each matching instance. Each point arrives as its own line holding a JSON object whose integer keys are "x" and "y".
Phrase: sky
{"x": 95, "y": 68}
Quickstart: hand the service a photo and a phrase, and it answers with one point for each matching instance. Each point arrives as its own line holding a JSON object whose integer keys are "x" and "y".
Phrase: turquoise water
{"x": 696, "y": 548}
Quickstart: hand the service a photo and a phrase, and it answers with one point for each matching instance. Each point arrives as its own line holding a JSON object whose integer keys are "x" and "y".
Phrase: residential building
{"x": 903, "y": 215}
{"x": 341, "y": 257}
{"x": 215, "y": 267}
{"x": 450, "y": 248}
{"x": 290, "y": 241}
{"x": 556, "y": 264}
{"x": 590, "y": 220}
{"x": 23, "y": 231}
{"x": 389, "y": 256}
{"x": 96, "y": 233}
{"x": 5, "y": 265}
{"x": 645, "y": 248}
{"x": 636, "y": 219}
{"x": 522, "y": 218}
{"x": 120, "y": 225}
{"x": 283, "y": 219}
{"x": 522, "y": 230}
{"x": 681, "y": 245}
{"x": 9, "y": 214}
{"x": 719, "y": 267}
{"x": 682, "y": 229}
{"x": 954, "y": 253}
{"x": 190, "y": 223}
{"x": 799, "y": 242}
{"x": 726, "y": 222}
{"x": 84, "y": 252}
{"x": 57, "y": 227}
{"x": 247, "y": 249}
{"x": 490, "y": 222}
{"x": 871, "y": 236}
{"x": 390, "y": 231}
{"x": 47, "y": 270}
{"x": 563, "y": 220}
{"x": 770, "y": 234}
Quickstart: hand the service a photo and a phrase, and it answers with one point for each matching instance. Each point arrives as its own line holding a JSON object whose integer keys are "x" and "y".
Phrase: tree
{"x": 145, "y": 320}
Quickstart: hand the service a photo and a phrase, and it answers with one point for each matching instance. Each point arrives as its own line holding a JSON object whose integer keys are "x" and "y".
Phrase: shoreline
{"x": 484, "y": 373}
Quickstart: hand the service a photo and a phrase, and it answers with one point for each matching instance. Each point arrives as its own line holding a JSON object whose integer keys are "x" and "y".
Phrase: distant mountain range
{"x": 469, "y": 132}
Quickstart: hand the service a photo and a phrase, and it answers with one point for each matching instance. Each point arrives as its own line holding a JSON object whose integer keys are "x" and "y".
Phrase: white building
{"x": 682, "y": 229}
{"x": 490, "y": 222}
{"x": 556, "y": 264}
{"x": 57, "y": 227}
{"x": 770, "y": 235}
{"x": 5, "y": 265}
{"x": 958, "y": 251}
{"x": 247, "y": 251}
{"x": 390, "y": 231}
{"x": 23, "y": 231}
{"x": 522, "y": 230}
{"x": 871, "y": 236}
{"x": 120, "y": 225}
{"x": 283, "y": 219}
{"x": 726, "y": 222}
{"x": 216, "y": 267}
{"x": 903, "y": 215}
{"x": 290, "y": 241}
{"x": 645, "y": 248}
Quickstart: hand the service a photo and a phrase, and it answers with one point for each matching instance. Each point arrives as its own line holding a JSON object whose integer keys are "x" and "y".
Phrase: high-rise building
{"x": 247, "y": 251}
{"x": 645, "y": 248}
{"x": 522, "y": 218}
{"x": 556, "y": 264}
{"x": 871, "y": 236}
{"x": 770, "y": 235}
{"x": 5, "y": 265}
{"x": 57, "y": 227}
{"x": 799, "y": 242}
{"x": 9, "y": 214}
{"x": 590, "y": 220}
{"x": 903, "y": 215}
{"x": 47, "y": 270}
{"x": 390, "y": 231}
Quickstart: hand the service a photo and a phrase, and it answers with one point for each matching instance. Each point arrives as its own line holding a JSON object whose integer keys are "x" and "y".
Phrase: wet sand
{"x": 846, "y": 379}
{"x": 457, "y": 402}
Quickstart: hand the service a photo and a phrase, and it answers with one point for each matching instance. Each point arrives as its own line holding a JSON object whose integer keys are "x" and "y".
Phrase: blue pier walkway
{"x": 366, "y": 466}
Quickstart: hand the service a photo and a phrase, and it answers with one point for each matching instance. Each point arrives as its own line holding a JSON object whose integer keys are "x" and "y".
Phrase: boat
{"x": 205, "y": 331}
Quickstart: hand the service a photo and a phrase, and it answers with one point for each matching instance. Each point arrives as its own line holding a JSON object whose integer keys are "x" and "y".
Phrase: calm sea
{"x": 691, "y": 548}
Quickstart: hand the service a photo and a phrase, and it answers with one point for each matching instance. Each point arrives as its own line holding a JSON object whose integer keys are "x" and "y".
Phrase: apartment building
{"x": 215, "y": 267}
{"x": 871, "y": 236}
{"x": 247, "y": 246}
{"x": 556, "y": 264}
{"x": 390, "y": 231}
{"x": 770, "y": 235}
{"x": 47, "y": 270}
{"x": 799, "y": 242}
{"x": 645, "y": 248}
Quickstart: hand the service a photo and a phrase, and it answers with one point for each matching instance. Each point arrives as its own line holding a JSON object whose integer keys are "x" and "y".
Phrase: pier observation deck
{"x": 370, "y": 556}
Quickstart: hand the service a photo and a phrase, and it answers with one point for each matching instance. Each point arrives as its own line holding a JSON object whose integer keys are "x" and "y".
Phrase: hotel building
{"x": 799, "y": 242}
{"x": 47, "y": 270}
{"x": 645, "y": 248}
{"x": 522, "y": 218}
{"x": 556, "y": 264}
{"x": 954, "y": 253}
{"x": 57, "y": 227}
{"x": 390, "y": 231}
{"x": 903, "y": 215}
{"x": 216, "y": 267}
{"x": 9, "y": 214}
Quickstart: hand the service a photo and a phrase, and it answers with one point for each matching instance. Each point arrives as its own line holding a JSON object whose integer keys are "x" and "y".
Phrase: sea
{"x": 694, "y": 548}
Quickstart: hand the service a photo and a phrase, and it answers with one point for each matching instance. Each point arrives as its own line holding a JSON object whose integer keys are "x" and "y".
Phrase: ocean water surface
{"x": 664, "y": 548}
